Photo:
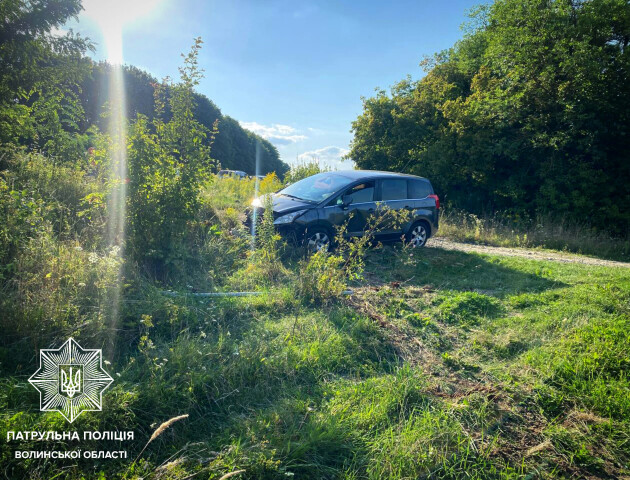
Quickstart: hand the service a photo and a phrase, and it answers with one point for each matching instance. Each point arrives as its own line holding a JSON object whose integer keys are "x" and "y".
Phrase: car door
{"x": 393, "y": 195}
{"x": 355, "y": 214}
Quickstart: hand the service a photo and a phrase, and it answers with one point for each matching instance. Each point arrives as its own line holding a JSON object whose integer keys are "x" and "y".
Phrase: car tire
{"x": 418, "y": 234}
{"x": 318, "y": 238}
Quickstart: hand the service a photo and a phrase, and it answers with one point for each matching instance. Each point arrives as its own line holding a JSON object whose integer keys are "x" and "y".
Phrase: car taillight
{"x": 437, "y": 200}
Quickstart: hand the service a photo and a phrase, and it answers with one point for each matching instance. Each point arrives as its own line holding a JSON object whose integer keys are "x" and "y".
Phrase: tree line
{"x": 234, "y": 147}
{"x": 529, "y": 114}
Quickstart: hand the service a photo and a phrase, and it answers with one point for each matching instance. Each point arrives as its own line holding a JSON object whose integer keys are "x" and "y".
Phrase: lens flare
{"x": 116, "y": 204}
{"x": 111, "y": 17}
{"x": 256, "y": 193}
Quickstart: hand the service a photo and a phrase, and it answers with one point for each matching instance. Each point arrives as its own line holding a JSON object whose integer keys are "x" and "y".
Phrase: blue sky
{"x": 292, "y": 71}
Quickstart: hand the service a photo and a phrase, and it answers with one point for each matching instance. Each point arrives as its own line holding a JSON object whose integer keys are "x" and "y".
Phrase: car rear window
{"x": 394, "y": 189}
{"x": 419, "y": 188}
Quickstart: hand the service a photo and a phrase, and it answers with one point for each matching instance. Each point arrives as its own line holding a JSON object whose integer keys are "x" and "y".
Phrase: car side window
{"x": 419, "y": 189}
{"x": 362, "y": 193}
{"x": 394, "y": 189}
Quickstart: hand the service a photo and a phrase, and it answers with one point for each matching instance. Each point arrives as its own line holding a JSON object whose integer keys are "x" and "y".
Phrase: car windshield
{"x": 316, "y": 188}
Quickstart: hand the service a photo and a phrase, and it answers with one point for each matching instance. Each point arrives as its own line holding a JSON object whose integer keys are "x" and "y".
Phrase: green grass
{"x": 520, "y": 369}
{"x": 442, "y": 364}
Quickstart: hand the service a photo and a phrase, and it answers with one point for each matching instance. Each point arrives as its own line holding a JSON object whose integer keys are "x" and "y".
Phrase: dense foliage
{"x": 40, "y": 77}
{"x": 528, "y": 114}
{"x": 303, "y": 170}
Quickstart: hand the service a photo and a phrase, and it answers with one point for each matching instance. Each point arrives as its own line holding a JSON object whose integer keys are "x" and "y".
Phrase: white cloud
{"x": 275, "y": 133}
{"x": 328, "y": 156}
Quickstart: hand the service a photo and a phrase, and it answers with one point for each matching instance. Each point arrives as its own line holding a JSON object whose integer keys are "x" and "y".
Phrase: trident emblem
{"x": 70, "y": 380}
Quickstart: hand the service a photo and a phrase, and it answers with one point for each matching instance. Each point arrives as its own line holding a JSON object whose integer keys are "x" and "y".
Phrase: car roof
{"x": 361, "y": 174}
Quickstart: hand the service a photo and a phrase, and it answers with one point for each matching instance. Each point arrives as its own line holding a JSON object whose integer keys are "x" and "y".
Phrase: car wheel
{"x": 317, "y": 239}
{"x": 418, "y": 234}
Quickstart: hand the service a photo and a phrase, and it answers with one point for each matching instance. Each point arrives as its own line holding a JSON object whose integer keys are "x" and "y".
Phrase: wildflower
{"x": 92, "y": 257}
{"x": 78, "y": 248}
{"x": 81, "y": 284}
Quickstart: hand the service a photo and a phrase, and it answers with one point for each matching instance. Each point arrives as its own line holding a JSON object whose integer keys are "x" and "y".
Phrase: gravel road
{"x": 523, "y": 252}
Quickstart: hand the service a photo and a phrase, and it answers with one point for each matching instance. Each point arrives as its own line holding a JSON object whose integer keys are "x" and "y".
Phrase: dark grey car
{"x": 309, "y": 210}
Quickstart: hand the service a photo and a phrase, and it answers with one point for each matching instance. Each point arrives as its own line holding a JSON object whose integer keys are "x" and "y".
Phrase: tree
{"x": 40, "y": 74}
{"x": 527, "y": 114}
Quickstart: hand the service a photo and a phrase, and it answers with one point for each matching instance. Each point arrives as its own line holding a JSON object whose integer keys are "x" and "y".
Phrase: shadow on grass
{"x": 453, "y": 270}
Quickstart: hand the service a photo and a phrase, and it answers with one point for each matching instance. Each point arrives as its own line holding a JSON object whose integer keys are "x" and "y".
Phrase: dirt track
{"x": 523, "y": 252}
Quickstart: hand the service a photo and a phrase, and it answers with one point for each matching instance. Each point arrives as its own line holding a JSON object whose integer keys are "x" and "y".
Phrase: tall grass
{"x": 544, "y": 232}
{"x": 236, "y": 193}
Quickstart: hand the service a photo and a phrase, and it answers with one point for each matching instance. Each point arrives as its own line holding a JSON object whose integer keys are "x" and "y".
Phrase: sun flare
{"x": 113, "y": 16}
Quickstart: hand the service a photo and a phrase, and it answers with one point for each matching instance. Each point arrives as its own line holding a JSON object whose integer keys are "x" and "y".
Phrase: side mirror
{"x": 346, "y": 200}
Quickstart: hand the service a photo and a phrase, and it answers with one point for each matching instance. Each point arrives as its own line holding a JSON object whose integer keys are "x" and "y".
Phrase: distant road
{"x": 534, "y": 254}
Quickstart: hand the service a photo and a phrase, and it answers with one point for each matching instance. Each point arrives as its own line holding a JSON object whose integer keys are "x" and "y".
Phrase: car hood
{"x": 282, "y": 204}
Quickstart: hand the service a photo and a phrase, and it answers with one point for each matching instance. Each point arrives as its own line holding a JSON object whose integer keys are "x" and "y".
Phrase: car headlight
{"x": 256, "y": 203}
{"x": 288, "y": 218}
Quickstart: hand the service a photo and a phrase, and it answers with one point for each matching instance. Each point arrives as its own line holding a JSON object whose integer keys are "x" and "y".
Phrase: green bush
{"x": 322, "y": 278}
{"x": 169, "y": 161}
{"x": 232, "y": 192}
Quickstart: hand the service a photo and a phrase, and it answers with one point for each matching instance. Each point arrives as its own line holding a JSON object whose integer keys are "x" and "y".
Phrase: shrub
{"x": 324, "y": 276}
{"x": 169, "y": 160}
{"x": 39, "y": 196}
{"x": 58, "y": 289}
{"x": 232, "y": 192}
